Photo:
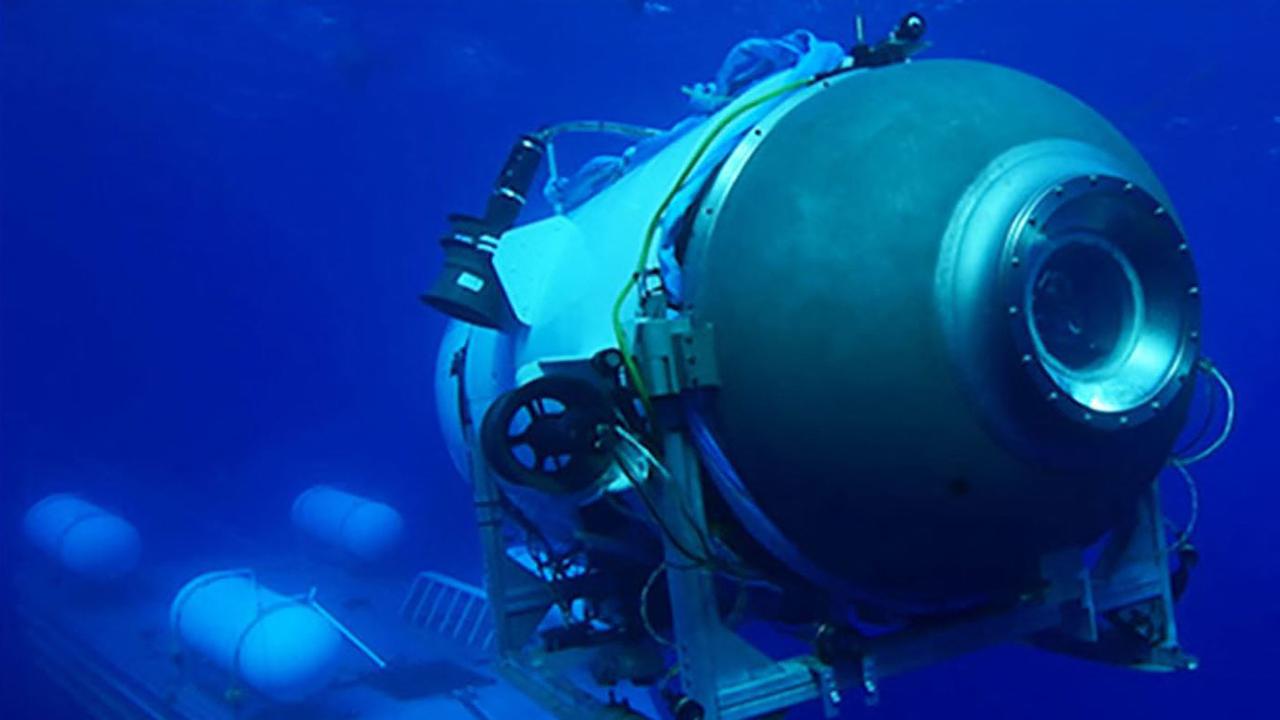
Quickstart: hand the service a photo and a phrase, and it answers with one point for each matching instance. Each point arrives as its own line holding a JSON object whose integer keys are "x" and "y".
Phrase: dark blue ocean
{"x": 216, "y": 217}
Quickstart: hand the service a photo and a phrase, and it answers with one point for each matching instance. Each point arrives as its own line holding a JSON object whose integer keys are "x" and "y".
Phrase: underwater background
{"x": 216, "y": 217}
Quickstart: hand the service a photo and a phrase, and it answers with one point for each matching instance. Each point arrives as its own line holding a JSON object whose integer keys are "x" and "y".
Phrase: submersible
{"x": 889, "y": 345}
{"x": 955, "y": 323}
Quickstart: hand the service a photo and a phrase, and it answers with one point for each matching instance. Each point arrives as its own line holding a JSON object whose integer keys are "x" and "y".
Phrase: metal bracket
{"x": 870, "y": 681}
{"x": 675, "y": 355}
{"x": 1071, "y": 589}
{"x": 711, "y": 655}
{"x": 728, "y": 679}
{"x": 1131, "y": 587}
{"x": 829, "y": 691}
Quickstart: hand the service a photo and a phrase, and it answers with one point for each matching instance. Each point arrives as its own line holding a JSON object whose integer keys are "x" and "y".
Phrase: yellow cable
{"x": 633, "y": 371}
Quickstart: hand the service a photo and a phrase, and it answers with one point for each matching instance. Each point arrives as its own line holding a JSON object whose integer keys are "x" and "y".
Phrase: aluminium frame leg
{"x": 711, "y": 656}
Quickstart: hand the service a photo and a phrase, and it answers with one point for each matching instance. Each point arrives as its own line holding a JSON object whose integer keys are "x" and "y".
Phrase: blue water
{"x": 215, "y": 218}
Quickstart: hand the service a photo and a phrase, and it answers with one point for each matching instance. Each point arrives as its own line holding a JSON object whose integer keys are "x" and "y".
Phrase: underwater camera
{"x": 880, "y": 353}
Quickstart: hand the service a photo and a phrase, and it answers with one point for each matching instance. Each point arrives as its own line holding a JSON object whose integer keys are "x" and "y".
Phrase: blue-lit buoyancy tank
{"x": 955, "y": 321}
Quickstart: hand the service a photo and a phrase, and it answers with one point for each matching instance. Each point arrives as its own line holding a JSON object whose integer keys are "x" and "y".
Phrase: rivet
{"x": 1059, "y": 190}
{"x": 1088, "y": 417}
{"x": 1015, "y": 261}
{"x": 1128, "y": 187}
{"x": 1182, "y": 247}
{"x": 1160, "y": 210}
{"x": 1013, "y": 309}
{"x": 1156, "y": 405}
{"x": 1026, "y": 359}
{"x": 710, "y": 211}
{"x": 1053, "y": 396}
{"x": 1093, "y": 179}
{"x": 1032, "y": 222}
{"x": 1124, "y": 420}
{"x": 1194, "y": 335}
{"x": 1193, "y": 291}
{"x": 759, "y": 132}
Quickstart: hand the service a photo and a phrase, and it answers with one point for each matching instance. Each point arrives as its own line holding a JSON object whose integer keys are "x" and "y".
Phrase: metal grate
{"x": 450, "y": 608}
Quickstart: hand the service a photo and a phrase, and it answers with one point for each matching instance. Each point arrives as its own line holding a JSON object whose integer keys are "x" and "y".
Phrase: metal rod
{"x": 346, "y": 632}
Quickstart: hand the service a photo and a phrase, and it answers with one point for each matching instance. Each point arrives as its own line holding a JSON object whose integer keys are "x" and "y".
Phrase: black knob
{"x": 686, "y": 708}
{"x": 911, "y": 28}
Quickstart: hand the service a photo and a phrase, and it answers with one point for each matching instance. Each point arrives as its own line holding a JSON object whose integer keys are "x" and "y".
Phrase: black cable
{"x": 657, "y": 516}
{"x": 529, "y": 527}
{"x": 697, "y": 530}
{"x": 710, "y": 561}
{"x": 556, "y": 562}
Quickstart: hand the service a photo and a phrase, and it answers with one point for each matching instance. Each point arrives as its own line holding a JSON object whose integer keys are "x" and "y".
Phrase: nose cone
{"x": 373, "y": 531}
{"x": 955, "y": 324}
{"x": 291, "y": 654}
{"x": 102, "y": 548}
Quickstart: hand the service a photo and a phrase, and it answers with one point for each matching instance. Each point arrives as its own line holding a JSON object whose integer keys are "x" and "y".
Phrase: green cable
{"x": 620, "y": 335}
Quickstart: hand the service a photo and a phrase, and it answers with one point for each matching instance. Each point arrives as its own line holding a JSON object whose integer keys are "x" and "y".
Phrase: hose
{"x": 731, "y": 488}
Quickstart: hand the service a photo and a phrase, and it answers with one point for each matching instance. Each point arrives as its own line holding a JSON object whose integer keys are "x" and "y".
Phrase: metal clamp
{"x": 828, "y": 690}
{"x": 674, "y": 355}
{"x": 870, "y": 681}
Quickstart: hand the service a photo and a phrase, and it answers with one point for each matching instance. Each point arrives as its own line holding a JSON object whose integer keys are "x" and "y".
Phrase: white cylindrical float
{"x": 282, "y": 647}
{"x": 83, "y": 537}
{"x": 363, "y": 528}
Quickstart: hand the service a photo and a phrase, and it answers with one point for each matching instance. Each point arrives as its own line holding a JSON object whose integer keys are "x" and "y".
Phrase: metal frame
{"x": 729, "y": 679}
{"x": 88, "y": 679}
